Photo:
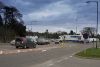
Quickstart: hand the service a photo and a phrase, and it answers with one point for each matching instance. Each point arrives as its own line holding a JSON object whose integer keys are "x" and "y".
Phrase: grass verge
{"x": 90, "y": 53}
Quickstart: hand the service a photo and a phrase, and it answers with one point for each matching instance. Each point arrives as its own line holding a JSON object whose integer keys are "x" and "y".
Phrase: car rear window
{"x": 29, "y": 40}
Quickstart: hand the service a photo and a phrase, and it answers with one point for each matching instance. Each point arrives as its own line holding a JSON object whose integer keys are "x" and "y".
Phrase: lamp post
{"x": 76, "y": 25}
{"x": 97, "y": 18}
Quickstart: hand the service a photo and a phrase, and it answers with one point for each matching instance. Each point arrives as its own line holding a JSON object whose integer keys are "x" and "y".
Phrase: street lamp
{"x": 76, "y": 24}
{"x": 97, "y": 18}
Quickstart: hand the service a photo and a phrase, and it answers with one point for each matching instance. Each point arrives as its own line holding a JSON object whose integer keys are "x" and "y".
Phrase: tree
{"x": 89, "y": 30}
{"x": 64, "y": 33}
{"x": 12, "y": 22}
{"x": 12, "y": 15}
{"x": 1, "y": 7}
{"x": 1, "y": 21}
{"x": 61, "y": 32}
{"x": 71, "y": 32}
{"x": 46, "y": 33}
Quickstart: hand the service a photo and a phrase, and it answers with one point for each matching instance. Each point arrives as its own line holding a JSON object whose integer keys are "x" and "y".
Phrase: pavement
{"x": 60, "y": 55}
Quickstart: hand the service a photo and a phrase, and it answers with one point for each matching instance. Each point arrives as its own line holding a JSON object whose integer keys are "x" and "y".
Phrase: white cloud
{"x": 57, "y": 11}
{"x": 52, "y": 11}
{"x": 22, "y": 2}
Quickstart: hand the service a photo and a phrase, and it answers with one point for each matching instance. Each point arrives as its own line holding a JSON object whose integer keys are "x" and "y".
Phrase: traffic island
{"x": 89, "y": 53}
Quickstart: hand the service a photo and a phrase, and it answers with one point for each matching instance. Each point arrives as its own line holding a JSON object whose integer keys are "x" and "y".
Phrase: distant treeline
{"x": 46, "y": 34}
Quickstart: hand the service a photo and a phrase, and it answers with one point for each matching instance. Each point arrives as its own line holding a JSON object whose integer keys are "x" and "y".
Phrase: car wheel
{"x": 25, "y": 46}
{"x": 17, "y": 47}
{"x": 34, "y": 46}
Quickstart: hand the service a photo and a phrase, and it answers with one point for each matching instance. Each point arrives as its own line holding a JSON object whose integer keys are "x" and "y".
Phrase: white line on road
{"x": 44, "y": 50}
{"x": 70, "y": 56}
{"x": 30, "y": 49}
{"x": 18, "y": 51}
{"x": 50, "y": 64}
{"x": 1, "y": 52}
{"x": 6, "y": 51}
{"x": 62, "y": 59}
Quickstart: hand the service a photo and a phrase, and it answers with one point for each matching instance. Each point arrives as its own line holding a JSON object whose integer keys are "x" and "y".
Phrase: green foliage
{"x": 19, "y": 28}
{"x": 13, "y": 23}
{"x": 90, "y": 53}
{"x": 72, "y": 32}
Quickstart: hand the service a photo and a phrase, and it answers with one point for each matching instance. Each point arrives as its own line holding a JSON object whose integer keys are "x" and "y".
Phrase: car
{"x": 22, "y": 42}
{"x": 56, "y": 41}
{"x": 12, "y": 42}
{"x": 93, "y": 39}
{"x": 42, "y": 41}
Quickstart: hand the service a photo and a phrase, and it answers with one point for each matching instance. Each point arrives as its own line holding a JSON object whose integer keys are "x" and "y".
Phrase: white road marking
{"x": 6, "y": 51}
{"x": 70, "y": 56}
{"x": 18, "y": 51}
{"x": 44, "y": 50}
{"x": 30, "y": 50}
{"x": 51, "y": 64}
{"x": 1, "y": 52}
{"x": 62, "y": 59}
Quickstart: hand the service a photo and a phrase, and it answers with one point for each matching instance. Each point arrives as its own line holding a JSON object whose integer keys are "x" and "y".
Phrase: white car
{"x": 12, "y": 42}
{"x": 42, "y": 41}
{"x": 93, "y": 39}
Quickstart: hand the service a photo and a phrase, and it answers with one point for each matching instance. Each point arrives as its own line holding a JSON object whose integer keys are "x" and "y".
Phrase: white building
{"x": 77, "y": 38}
{"x": 72, "y": 37}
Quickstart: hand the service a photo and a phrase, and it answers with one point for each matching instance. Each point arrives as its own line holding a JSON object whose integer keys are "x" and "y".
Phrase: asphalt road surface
{"x": 49, "y": 56}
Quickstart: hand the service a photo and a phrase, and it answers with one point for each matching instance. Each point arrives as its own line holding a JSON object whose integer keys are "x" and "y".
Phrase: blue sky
{"x": 56, "y": 15}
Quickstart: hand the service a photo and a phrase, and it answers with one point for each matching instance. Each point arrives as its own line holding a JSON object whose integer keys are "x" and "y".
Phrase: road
{"x": 49, "y": 56}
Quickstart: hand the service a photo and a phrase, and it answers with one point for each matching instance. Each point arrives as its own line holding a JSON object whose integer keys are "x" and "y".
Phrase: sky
{"x": 56, "y": 15}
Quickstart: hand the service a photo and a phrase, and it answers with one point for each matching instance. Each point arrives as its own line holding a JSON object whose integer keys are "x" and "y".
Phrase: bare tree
{"x": 89, "y": 30}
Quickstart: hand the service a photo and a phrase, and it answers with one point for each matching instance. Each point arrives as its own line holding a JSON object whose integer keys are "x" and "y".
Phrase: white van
{"x": 76, "y": 38}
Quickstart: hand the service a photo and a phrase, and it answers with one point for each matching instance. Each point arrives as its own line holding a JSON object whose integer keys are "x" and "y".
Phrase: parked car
{"x": 42, "y": 41}
{"x": 22, "y": 42}
{"x": 56, "y": 41}
{"x": 93, "y": 39}
{"x": 12, "y": 42}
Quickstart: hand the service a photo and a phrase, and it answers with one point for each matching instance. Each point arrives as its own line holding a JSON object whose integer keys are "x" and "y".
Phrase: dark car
{"x": 22, "y": 42}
